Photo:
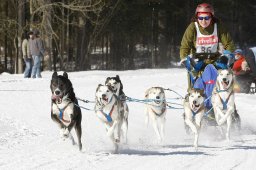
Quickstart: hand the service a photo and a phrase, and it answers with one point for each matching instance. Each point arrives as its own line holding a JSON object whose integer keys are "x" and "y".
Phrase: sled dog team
{"x": 112, "y": 110}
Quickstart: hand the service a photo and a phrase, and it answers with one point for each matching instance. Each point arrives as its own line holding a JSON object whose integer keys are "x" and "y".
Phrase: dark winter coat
{"x": 188, "y": 43}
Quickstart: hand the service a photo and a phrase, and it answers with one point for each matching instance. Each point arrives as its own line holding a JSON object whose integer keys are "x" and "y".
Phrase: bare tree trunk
{"x": 163, "y": 60}
{"x": 84, "y": 62}
{"x": 107, "y": 51}
{"x": 21, "y": 24}
{"x": 5, "y": 39}
{"x": 48, "y": 29}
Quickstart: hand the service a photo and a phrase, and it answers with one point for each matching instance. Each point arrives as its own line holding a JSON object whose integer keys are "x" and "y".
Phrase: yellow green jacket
{"x": 188, "y": 43}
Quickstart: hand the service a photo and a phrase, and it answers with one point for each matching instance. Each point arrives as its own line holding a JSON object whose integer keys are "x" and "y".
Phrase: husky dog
{"x": 117, "y": 87}
{"x": 156, "y": 110}
{"x": 194, "y": 112}
{"x": 223, "y": 100}
{"x": 65, "y": 110}
{"x": 109, "y": 109}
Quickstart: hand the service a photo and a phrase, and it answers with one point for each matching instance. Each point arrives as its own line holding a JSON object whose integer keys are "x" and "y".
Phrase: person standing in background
{"x": 26, "y": 54}
{"x": 37, "y": 51}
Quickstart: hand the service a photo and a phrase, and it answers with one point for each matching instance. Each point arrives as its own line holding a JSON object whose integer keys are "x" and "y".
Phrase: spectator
{"x": 251, "y": 59}
{"x": 26, "y": 54}
{"x": 37, "y": 51}
{"x": 240, "y": 65}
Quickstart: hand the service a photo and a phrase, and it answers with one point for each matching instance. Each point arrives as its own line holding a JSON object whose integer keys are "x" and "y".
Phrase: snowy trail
{"x": 29, "y": 139}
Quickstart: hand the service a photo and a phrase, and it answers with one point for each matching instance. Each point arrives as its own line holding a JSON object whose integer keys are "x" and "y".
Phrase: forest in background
{"x": 112, "y": 34}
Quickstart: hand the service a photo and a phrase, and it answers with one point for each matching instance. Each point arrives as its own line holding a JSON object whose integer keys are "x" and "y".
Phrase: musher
{"x": 204, "y": 36}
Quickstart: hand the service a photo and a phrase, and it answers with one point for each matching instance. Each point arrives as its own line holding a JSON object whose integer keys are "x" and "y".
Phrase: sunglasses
{"x": 205, "y": 18}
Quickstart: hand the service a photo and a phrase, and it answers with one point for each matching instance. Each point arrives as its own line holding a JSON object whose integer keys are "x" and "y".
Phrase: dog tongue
{"x": 106, "y": 99}
{"x": 224, "y": 84}
{"x": 54, "y": 97}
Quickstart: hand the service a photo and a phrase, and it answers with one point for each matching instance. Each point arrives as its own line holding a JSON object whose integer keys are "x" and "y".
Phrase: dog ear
{"x": 117, "y": 77}
{"x": 191, "y": 91}
{"x": 110, "y": 88}
{"x": 146, "y": 93}
{"x": 230, "y": 70}
{"x": 65, "y": 74}
{"x": 201, "y": 91}
{"x": 107, "y": 79}
{"x": 98, "y": 87}
{"x": 55, "y": 74}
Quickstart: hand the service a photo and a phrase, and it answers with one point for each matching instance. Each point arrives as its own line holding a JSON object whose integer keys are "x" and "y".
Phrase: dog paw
{"x": 146, "y": 122}
{"x": 117, "y": 140}
{"x": 66, "y": 132}
{"x": 62, "y": 130}
{"x": 221, "y": 121}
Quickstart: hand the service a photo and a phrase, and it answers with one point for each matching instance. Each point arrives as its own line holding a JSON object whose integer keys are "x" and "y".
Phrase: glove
{"x": 183, "y": 62}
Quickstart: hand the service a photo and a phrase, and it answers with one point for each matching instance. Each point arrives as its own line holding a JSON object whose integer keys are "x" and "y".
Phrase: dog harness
{"x": 108, "y": 116}
{"x": 225, "y": 103}
{"x": 195, "y": 112}
{"x": 162, "y": 111}
{"x": 62, "y": 113}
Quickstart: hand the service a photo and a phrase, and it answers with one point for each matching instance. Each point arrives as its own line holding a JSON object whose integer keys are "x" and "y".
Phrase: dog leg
{"x": 118, "y": 132}
{"x": 219, "y": 116}
{"x": 194, "y": 130}
{"x": 116, "y": 147}
{"x": 111, "y": 129}
{"x": 191, "y": 125}
{"x": 156, "y": 128}
{"x": 79, "y": 134}
{"x": 125, "y": 129}
{"x": 115, "y": 143}
{"x": 226, "y": 116}
{"x": 72, "y": 139}
{"x": 56, "y": 119}
{"x": 62, "y": 131}
{"x": 198, "y": 119}
{"x": 66, "y": 133}
{"x": 162, "y": 130}
{"x": 229, "y": 122}
{"x": 147, "y": 117}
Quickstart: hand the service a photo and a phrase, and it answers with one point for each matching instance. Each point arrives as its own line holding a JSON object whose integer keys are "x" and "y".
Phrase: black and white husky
{"x": 117, "y": 87}
{"x": 223, "y": 101}
{"x": 156, "y": 110}
{"x": 194, "y": 112}
{"x": 65, "y": 110}
{"x": 110, "y": 110}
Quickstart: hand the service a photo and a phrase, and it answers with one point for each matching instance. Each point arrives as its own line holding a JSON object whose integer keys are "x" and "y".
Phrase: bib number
{"x": 206, "y": 49}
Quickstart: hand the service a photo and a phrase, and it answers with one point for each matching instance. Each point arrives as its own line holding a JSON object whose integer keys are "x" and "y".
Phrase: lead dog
{"x": 65, "y": 111}
{"x": 223, "y": 100}
{"x": 194, "y": 112}
{"x": 110, "y": 111}
{"x": 156, "y": 110}
{"x": 117, "y": 87}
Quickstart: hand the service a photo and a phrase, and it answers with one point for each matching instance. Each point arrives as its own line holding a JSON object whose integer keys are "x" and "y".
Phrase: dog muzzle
{"x": 225, "y": 84}
{"x": 57, "y": 99}
{"x": 195, "y": 106}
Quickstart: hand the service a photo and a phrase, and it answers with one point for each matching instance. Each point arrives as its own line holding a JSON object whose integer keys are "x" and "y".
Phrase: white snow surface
{"x": 29, "y": 139}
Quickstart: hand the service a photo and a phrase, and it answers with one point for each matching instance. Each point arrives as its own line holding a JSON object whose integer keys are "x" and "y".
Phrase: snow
{"x": 29, "y": 139}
